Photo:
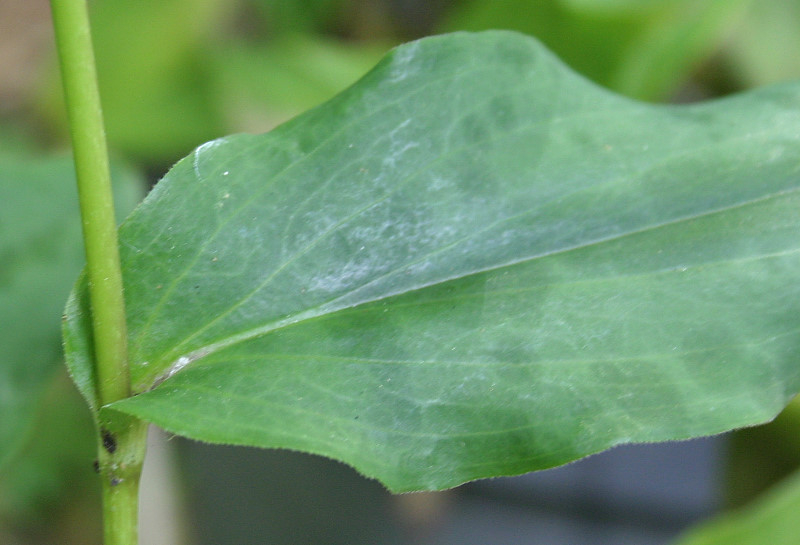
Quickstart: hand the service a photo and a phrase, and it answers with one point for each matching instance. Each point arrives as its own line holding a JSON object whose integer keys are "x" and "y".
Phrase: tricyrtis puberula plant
{"x": 471, "y": 263}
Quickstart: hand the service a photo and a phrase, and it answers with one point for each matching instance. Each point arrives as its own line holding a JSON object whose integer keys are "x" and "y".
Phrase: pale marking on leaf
{"x": 180, "y": 363}
{"x": 201, "y": 149}
{"x": 402, "y": 66}
{"x": 331, "y": 306}
{"x": 341, "y": 129}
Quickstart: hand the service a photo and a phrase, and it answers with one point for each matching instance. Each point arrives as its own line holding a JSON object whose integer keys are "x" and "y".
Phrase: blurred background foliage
{"x": 176, "y": 73}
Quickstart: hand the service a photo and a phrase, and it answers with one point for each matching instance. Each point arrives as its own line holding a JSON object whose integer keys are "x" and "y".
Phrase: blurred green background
{"x": 176, "y": 73}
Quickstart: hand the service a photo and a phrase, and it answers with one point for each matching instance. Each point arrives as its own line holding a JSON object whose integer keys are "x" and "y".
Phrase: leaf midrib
{"x": 326, "y": 308}
{"x": 322, "y": 236}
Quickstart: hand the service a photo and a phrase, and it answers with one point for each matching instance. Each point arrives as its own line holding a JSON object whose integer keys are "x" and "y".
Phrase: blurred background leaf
{"x": 641, "y": 49}
{"x": 758, "y": 458}
{"x": 45, "y": 434}
{"x": 770, "y": 520}
{"x": 763, "y": 48}
{"x": 308, "y": 16}
{"x": 176, "y": 73}
{"x": 48, "y": 491}
{"x": 152, "y": 79}
{"x": 41, "y": 254}
{"x": 296, "y": 72}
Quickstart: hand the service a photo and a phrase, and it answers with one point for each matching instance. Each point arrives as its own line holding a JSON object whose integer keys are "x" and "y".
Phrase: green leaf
{"x": 41, "y": 254}
{"x": 770, "y": 520}
{"x": 471, "y": 263}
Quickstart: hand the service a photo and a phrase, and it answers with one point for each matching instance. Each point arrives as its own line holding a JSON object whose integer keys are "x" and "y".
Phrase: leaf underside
{"x": 471, "y": 263}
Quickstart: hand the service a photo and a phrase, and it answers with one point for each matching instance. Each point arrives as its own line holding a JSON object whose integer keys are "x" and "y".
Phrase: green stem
{"x": 71, "y": 22}
{"x": 121, "y": 439}
{"x": 120, "y": 456}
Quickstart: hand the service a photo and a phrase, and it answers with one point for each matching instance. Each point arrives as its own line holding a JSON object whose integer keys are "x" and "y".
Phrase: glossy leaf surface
{"x": 471, "y": 263}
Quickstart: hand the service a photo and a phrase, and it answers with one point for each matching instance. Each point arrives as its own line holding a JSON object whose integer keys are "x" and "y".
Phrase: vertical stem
{"x": 71, "y": 22}
{"x": 121, "y": 439}
{"x": 120, "y": 456}
{"x": 120, "y": 506}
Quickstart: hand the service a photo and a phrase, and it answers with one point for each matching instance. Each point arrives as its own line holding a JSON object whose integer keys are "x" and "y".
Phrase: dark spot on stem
{"x": 96, "y": 466}
{"x": 115, "y": 481}
{"x": 109, "y": 442}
